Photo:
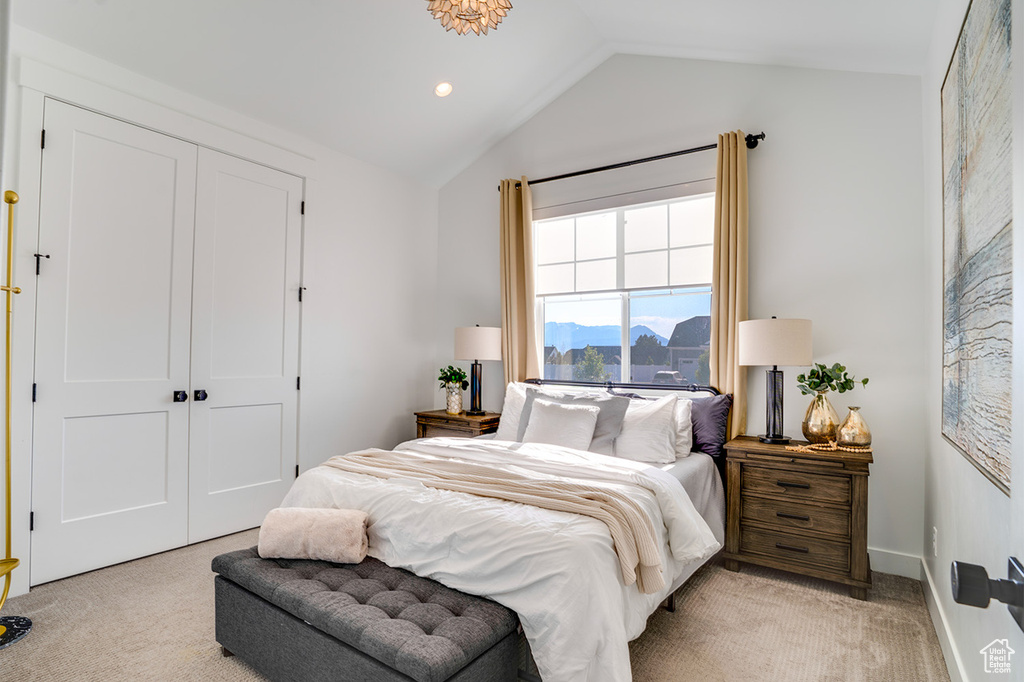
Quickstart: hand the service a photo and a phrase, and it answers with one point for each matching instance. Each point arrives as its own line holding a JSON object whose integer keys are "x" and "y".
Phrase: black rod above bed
{"x": 696, "y": 388}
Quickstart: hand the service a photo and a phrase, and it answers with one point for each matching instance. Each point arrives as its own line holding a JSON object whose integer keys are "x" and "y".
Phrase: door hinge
{"x": 302, "y": 208}
{"x": 301, "y": 289}
{"x": 42, "y": 139}
{"x": 33, "y": 392}
{"x": 298, "y": 383}
{"x": 296, "y": 471}
{"x": 31, "y": 521}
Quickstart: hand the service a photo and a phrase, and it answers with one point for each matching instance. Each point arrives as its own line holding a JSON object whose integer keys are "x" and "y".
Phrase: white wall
{"x": 369, "y": 259}
{"x": 368, "y": 313}
{"x": 973, "y": 519}
{"x": 835, "y": 231}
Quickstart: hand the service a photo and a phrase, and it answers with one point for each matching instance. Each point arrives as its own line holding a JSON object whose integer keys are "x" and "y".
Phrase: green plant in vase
{"x": 453, "y": 380}
{"x": 821, "y": 423}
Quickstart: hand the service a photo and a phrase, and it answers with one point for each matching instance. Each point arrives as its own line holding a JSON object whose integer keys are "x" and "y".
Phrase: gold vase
{"x": 854, "y": 430}
{"x": 821, "y": 421}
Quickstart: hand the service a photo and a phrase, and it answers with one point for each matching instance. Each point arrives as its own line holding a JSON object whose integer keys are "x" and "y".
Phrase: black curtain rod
{"x": 751, "y": 140}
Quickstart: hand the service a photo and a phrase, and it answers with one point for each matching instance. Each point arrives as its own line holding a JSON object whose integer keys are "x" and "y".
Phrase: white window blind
{"x": 656, "y": 245}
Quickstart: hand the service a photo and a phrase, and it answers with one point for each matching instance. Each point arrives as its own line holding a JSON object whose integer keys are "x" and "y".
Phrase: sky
{"x": 659, "y": 312}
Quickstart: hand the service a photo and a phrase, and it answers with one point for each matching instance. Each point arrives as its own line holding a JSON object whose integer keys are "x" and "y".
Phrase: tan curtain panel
{"x": 729, "y": 278}
{"x": 520, "y": 349}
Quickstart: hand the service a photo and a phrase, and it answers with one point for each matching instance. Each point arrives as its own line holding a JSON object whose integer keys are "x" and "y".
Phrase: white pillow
{"x": 571, "y": 426}
{"x": 649, "y": 431}
{"x": 684, "y": 427}
{"x": 609, "y": 419}
{"x": 511, "y": 409}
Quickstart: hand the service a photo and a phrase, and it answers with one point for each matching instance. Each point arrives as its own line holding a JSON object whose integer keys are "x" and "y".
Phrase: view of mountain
{"x": 566, "y": 335}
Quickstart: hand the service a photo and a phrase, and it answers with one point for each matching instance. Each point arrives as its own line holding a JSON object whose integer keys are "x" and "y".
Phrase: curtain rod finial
{"x": 753, "y": 139}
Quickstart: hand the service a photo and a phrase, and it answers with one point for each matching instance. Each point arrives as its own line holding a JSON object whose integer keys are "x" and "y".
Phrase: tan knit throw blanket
{"x": 632, "y": 532}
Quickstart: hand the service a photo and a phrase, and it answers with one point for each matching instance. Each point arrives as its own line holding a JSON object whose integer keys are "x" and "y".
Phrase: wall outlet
{"x": 935, "y": 541}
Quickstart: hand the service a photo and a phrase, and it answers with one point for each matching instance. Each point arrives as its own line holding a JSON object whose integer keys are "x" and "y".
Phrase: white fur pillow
{"x": 511, "y": 409}
{"x": 649, "y": 431}
{"x": 684, "y": 427}
{"x": 337, "y": 535}
{"x": 571, "y": 426}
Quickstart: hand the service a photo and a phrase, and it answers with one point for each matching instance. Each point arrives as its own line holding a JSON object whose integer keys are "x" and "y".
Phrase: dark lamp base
{"x": 475, "y": 413}
{"x": 15, "y": 627}
{"x": 774, "y": 440}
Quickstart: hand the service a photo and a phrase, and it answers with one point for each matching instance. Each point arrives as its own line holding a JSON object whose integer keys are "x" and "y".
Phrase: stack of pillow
{"x": 657, "y": 431}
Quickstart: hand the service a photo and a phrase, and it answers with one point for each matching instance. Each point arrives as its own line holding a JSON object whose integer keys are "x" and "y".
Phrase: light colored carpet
{"x": 762, "y": 624}
{"x": 152, "y": 619}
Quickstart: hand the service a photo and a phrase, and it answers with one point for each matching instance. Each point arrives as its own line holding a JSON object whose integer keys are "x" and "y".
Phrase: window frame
{"x": 657, "y": 197}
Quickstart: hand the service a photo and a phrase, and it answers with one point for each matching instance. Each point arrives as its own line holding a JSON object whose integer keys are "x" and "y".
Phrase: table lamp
{"x": 476, "y": 344}
{"x": 774, "y": 342}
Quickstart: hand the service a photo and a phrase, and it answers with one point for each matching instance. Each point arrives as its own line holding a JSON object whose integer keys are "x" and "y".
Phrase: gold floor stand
{"x": 12, "y": 628}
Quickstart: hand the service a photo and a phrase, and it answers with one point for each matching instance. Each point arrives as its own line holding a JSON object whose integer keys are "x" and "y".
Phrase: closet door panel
{"x": 110, "y": 478}
{"x": 248, "y": 266}
{"x": 245, "y": 352}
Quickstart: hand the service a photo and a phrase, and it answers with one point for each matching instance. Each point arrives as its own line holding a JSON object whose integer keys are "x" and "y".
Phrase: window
{"x": 625, "y": 294}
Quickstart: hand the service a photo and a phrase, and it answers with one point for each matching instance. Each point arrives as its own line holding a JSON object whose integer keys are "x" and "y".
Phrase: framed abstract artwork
{"x": 977, "y": 262}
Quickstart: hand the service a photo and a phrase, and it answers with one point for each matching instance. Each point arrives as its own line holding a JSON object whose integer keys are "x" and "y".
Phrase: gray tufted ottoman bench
{"x": 314, "y": 620}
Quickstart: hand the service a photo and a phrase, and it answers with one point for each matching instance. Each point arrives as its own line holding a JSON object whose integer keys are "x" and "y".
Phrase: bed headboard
{"x": 710, "y": 424}
{"x": 612, "y": 386}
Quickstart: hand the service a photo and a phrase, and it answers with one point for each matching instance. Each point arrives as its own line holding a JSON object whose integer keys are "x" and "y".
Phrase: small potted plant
{"x": 821, "y": 423}
{"x": 453, "y": 380}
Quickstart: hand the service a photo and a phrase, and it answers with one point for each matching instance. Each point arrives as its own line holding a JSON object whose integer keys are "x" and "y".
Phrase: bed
{"x": 558, "y": 571}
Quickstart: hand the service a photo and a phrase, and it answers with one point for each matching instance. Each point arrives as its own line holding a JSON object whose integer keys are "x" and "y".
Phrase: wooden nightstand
{"x": 801, "y": 512}
{"x": 440, "y": 423}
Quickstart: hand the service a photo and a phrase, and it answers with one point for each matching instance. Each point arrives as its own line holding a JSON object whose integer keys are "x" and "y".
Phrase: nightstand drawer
{"x": 796, "y": 485}
{"x": 435, "y": 423}
{"x": 795, "y": 515}
{"x": 434, "y": 431}
{"x": 794, "y": 548}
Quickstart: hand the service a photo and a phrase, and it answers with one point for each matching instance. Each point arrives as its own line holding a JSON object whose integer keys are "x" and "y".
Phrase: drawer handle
{"x": 787, "y": 484}
{"x": 802, "y": 550}
{"x": 797, "y": 517}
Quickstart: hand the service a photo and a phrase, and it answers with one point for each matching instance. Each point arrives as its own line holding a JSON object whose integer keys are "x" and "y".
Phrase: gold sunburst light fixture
{"x": 469, "y": 15}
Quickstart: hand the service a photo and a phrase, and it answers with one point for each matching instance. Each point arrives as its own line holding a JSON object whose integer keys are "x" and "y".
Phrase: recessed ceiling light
{"x": 443, "y": 89}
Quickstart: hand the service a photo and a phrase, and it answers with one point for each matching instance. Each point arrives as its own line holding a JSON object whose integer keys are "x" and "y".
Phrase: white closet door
{"x": 110, "y": 478}
{"x": 245, "y": 343}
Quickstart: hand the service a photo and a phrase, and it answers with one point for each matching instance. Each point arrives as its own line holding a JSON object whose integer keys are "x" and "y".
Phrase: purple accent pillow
{"x": 710, "y": 418}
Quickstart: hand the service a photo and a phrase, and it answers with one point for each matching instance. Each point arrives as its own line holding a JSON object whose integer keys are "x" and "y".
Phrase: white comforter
{"x": 557, "y": 570}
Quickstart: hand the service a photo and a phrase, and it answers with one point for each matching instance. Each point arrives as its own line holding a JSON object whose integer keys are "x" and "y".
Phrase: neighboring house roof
{"x": 692, "y": 333}
{"x": 658, "y": 355}
{"x": 611, "y": 355}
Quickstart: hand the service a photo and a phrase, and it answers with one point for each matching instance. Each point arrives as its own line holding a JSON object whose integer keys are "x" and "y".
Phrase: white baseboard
{"x": 896, "y": 563}
{"x": 954, "y": 665}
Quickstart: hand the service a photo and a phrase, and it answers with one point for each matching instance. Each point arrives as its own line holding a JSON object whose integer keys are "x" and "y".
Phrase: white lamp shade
{"x": 478, "y": 343}
{"x": 775, "y": 342}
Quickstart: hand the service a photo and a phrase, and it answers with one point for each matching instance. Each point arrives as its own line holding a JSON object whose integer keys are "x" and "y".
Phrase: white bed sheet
{"x": 558, "y": 571}
{"x": 702, "y": 481}
{"x": 700, "y": 478}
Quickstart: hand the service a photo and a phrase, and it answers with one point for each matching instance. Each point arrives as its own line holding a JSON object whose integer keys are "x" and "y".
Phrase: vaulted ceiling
{"x": 359, "y": 76}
